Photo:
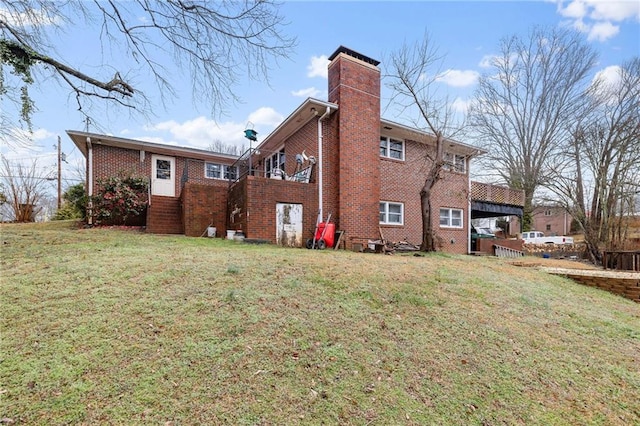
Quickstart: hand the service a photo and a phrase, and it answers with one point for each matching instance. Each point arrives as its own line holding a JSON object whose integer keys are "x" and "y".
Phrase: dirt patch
{"x": 530, "y": 261}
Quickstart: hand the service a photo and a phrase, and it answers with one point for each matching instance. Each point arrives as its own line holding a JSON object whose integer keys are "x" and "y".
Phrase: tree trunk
{"x": 428, "y": 240}
{"x": 428, "y": 236}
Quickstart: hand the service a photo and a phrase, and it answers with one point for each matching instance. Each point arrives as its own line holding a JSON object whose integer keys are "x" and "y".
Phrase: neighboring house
{"x": 333, "y": 157}
{"x": 552, "y": 220}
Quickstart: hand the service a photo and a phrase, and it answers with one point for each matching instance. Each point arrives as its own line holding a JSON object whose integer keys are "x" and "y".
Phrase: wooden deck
{"x": 498, "y": 194}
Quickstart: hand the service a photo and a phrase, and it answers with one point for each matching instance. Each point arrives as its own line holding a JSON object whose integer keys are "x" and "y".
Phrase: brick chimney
{"x": 354, "y": 84}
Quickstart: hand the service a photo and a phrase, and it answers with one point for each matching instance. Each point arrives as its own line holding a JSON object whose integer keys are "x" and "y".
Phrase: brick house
{"x": 552, "y": 220}
{"x": 335, "y": 157}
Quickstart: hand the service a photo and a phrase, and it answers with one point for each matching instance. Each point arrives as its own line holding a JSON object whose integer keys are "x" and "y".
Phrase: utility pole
{"x": 61, "y": 158}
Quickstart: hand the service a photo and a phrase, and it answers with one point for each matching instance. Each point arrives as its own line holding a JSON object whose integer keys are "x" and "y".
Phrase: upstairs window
{"x": 391, "y": 213}
{"x": 220, "y": 171}
{"x": 275, "y": 161}
{"x": 391, "y": 148}
{"x": 455, "y": 162}
{"x": 451, "y": 218}
{"x": 548, "y": 212}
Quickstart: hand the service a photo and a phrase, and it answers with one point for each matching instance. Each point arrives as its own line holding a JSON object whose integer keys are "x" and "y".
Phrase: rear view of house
{"x": 336, "y": 157}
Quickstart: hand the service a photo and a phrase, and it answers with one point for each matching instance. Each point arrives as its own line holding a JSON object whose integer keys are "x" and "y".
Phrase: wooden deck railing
{"x": 496, "y": 194}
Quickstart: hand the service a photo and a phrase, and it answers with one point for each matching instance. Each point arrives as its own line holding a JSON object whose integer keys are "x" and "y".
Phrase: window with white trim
{"x": 275, "y": 161}
{"x": 391, "y": 213}
{"x": 220, "y": 171}
{"x": 455, "y": 162}
{"x": 391, "y": 148}
{"x": 451, "y": 218}
{"x": 548, "y": 212}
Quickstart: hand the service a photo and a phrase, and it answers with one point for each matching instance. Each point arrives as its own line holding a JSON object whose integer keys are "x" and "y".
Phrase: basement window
{"x": 451, "y": 218}
{"x": 391, "y": 148}
{"x": 220, "y": 171}
{"x": 391, "y": 213}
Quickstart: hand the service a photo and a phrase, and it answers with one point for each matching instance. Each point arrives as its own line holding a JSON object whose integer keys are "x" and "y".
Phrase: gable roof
{"x": 309, "y": 109}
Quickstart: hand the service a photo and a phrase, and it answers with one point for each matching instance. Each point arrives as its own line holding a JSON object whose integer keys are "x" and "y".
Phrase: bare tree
{"x": 524, "y": 105}
{"x": 216, "y": 42}
{"x": 24, "y": 187}
{"x": 412, "y": 74}
{"x": 224, "y": 148}
{"x": 600, "y": 180}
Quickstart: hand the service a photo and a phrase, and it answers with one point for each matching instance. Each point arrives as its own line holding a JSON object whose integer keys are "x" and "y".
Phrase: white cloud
{"x": 318, "y": 66}
{"x": 458, "y": 78}
{"x": 487, "y": 61}
{"x": 310, "y": 92}
{"x": 580, "y": 26}
{"x": 603, "y": 31}
{"x": 614, "y": 10}
{"x": 598, "y": 18}
{"x": 461, "y": 106}
{"x": 609, "y": 80}
{"x": 200, "y": 132}
{"x": 15, "y": 138}
{"x": 266, "y": 116}
{"x": 35, "y": 17}
{"x": 574, "y": 10}
{"x": 42, "y": 134}
{"x": 611, "y": 76}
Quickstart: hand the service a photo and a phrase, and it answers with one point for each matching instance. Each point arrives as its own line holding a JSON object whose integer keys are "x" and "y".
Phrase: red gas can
{"x": 329, "y": 233}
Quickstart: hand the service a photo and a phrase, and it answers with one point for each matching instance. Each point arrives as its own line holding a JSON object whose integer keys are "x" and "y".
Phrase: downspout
{"x": 320, "y": 160}
{"x": 89, "y": 181}
{"x": 469, "y": 206}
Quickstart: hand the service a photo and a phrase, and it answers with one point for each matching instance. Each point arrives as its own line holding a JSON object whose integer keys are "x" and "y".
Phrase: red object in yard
{"x": 329, "y": 234}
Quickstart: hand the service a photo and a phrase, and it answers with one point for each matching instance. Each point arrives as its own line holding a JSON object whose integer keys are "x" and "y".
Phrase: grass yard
{"x": 107, "y": 326}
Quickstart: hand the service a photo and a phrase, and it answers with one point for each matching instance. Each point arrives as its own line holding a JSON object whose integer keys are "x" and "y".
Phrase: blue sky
{"x": 466, "y": 32}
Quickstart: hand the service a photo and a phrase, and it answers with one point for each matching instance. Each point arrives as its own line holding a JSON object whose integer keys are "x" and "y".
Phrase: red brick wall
{"x": 256, "y": 198}
{"x": 559, "y": 221}
{"x": 485, "y": 245}
{"x": 401, "y": 181}
{"x": 109, "y": 161}
{"x": 206, "y": 201}
{"x": 305, "y": 139}
{"x": 331, "y": 170}
{"x": 203, "y": 206}
{"x": 451, "y": 192}
{"x": 355, "y": 86}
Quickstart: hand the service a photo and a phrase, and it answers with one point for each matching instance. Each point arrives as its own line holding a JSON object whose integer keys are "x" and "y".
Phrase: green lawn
{"x": 108, "y": 326}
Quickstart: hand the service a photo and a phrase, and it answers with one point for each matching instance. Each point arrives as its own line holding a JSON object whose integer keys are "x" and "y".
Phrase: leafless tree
{"x": 600, "y": 179}
{"x": 523, "y": 106}
{"x": 217, "y": 42}
{"x": 24, "y": 187}
{"x": 413, "y": 70}
{"x": 224, "y": 148}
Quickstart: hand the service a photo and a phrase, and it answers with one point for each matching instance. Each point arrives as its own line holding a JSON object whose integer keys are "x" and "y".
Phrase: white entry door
{"x": 163, "y": 176}
{"x": 289, "y": 224}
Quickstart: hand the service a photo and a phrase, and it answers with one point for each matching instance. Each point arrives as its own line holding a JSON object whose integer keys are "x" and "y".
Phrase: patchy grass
{"x": 121, "y": 327}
